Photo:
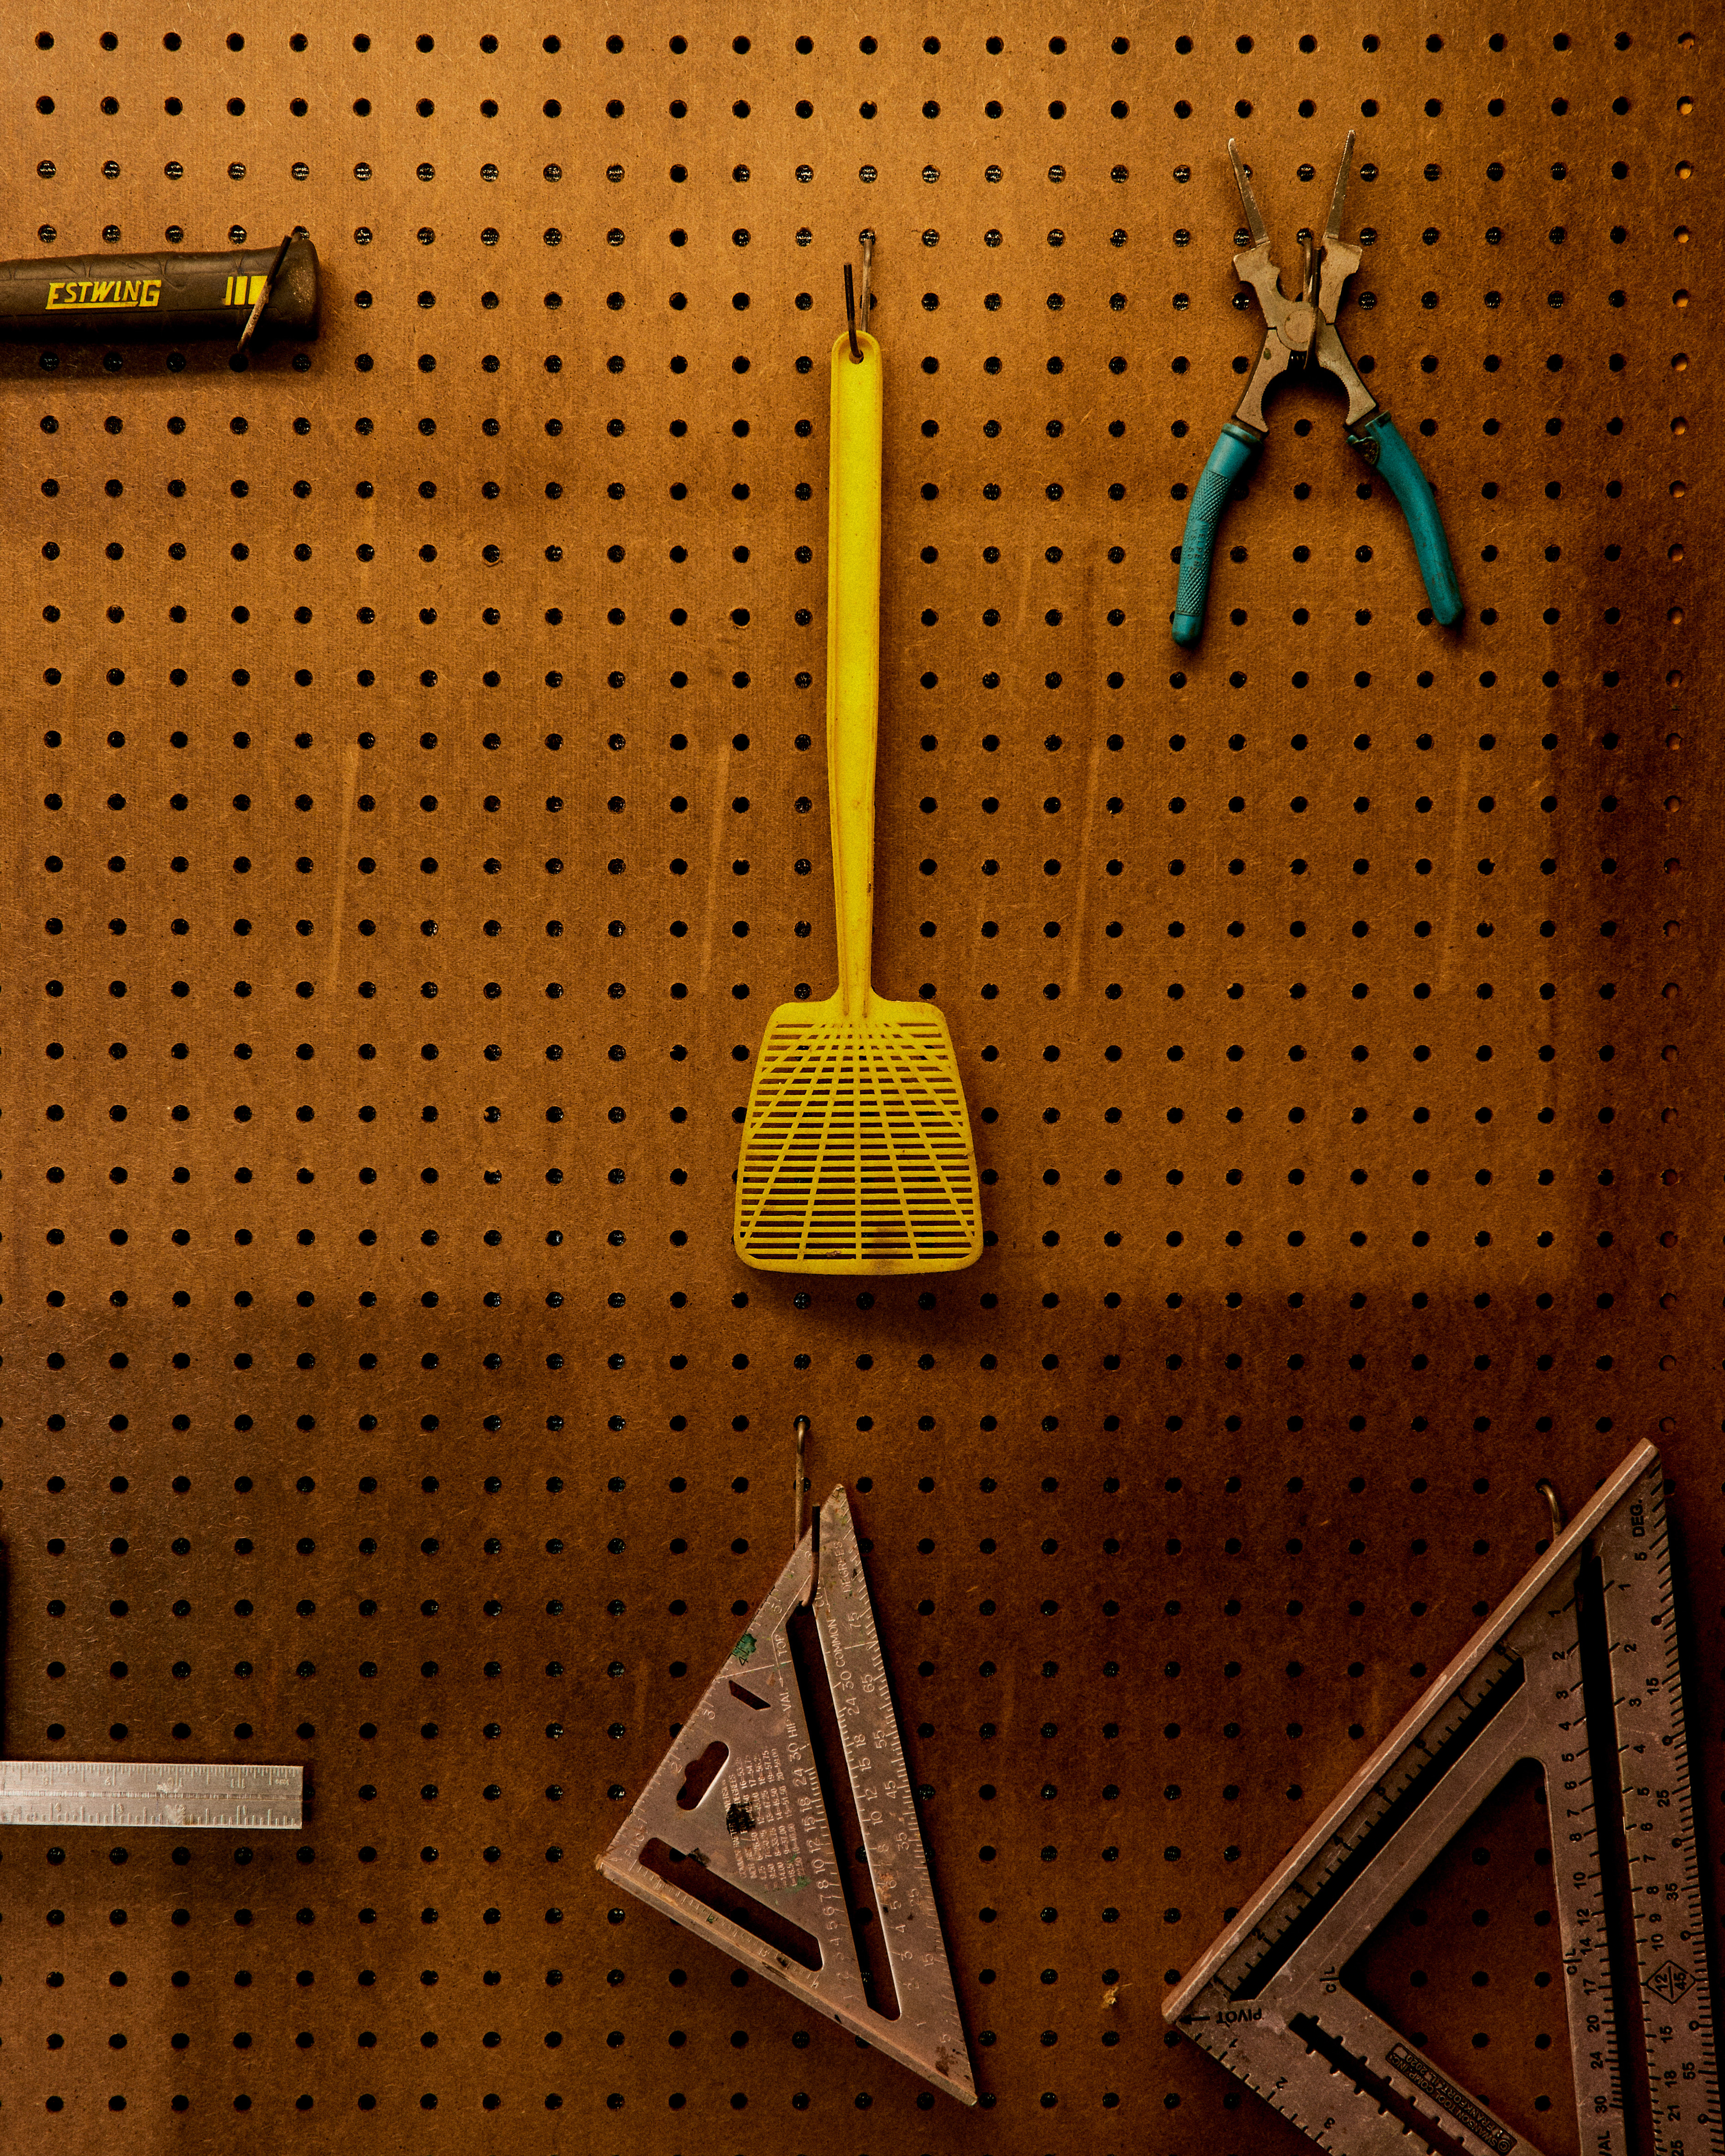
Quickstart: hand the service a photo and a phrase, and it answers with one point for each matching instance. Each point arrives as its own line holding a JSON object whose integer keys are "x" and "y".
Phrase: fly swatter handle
{"x": 854, "y": 653}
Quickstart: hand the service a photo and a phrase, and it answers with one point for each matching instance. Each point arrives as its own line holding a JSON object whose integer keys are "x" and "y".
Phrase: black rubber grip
{"x": 94, "y": 298}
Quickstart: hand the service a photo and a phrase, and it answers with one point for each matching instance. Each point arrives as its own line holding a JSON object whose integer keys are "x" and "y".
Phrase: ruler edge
{"x": 899, "y": 1953}
{"x": 1640, "y": 1920}
{"x": 57, "y": 1769}
{"x": 1566, "y": 1546}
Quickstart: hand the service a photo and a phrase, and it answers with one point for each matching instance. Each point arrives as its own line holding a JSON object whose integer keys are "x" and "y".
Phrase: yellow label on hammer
{"x": 106, "y": 292}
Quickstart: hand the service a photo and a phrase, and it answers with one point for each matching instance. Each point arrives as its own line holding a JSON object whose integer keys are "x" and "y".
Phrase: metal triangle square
{"x": 1269, "y": 2000}
{"x": 732, "y": 1836}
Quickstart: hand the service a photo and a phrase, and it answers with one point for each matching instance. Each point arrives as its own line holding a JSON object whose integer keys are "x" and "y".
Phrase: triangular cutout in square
{"x": 734, "y": 1836}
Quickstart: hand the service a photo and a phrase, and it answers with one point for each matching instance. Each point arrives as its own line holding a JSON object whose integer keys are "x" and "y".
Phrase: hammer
{"x": 97, "y": 298}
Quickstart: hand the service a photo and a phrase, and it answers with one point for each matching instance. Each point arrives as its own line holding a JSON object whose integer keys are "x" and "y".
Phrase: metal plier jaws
{"x": 1298, "y": 332}
{"x": 1302, "y": 329}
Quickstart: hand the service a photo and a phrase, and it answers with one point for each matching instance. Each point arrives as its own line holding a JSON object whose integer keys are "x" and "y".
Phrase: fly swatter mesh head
{"x": 856, "y": 1151}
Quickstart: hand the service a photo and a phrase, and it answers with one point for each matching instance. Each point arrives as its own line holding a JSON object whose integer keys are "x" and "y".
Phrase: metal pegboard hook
{"x": 256, "y": 316}
{"x": 801, "y": 1427}
{"x": 856, "y": 304}
{"x": 1551, "y": 1498}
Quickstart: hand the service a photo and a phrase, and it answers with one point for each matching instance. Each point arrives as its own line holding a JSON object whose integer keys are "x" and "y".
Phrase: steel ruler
{"x": 118, "y": 1793}
{"x": 1592, "y": 1626}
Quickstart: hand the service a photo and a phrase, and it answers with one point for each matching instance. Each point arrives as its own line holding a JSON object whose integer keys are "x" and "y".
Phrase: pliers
{"x": 1301, "y": 331}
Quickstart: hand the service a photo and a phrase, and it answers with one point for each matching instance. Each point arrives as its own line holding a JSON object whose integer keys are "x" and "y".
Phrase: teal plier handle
{"x": 1236, "y": 446}
{"x": 1379, "y": 443}
{"x": 1382, "y": 447}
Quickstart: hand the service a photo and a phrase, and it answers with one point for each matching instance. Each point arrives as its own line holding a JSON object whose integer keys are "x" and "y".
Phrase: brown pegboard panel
{"x": 380, "y": 1389}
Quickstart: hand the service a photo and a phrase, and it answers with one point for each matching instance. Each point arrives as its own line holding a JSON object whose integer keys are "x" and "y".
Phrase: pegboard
{"x": 418, "y": 807}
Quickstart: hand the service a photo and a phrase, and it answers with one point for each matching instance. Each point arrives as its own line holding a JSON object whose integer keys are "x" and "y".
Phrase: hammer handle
{"x": 84, "y": 299}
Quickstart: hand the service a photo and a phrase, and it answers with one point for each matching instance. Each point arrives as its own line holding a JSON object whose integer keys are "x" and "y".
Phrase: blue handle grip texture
{"x": 1384, "y": 448}
{"x": 1236, "y": 448}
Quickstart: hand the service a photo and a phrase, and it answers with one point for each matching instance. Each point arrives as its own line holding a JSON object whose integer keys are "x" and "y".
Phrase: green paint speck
{"x": 745, "y": 1647}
